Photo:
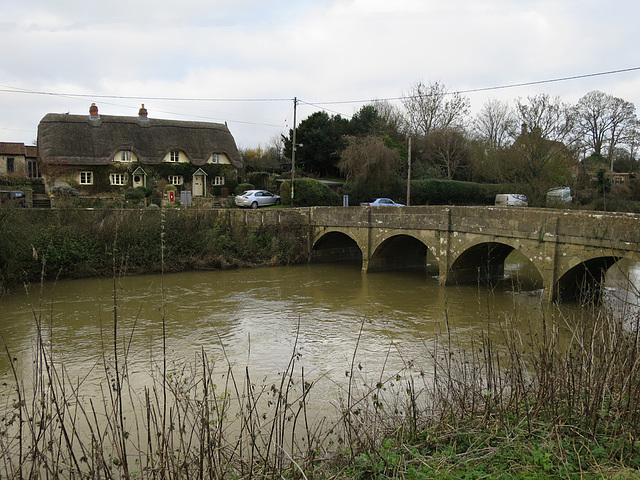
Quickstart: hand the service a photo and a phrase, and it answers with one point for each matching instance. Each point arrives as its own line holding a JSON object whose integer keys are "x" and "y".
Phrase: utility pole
{"x": 409, "y": 174}
{"x": 293, "y": 149}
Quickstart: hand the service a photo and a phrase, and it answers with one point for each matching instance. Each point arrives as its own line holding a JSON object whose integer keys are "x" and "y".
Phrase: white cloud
{"x": 319, "y": 51}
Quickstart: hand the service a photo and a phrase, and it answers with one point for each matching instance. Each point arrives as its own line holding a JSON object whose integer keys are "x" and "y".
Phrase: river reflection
{"x": 622, "y": 292}
{"x": 258, "y": 317}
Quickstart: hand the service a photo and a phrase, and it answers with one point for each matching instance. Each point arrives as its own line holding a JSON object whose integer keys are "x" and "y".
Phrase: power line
{"x": 487, "y": 89}
{"x": 324, "y": 108}
{"x": 7, "y": 89}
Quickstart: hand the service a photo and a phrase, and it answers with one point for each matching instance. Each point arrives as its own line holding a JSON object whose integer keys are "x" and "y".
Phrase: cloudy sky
{"x": 243, "y": 61}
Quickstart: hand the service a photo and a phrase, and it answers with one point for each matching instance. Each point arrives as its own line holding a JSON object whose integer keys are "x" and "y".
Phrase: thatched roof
{"x": 94, "y": 140}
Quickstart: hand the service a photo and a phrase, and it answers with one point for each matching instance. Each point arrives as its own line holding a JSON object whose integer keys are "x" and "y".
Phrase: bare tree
{"x": 604, "y": 121}
{"x": 430, "y": 108}
{"x": 449, "y": 150}
{"x": 276, "y": 147}
{"x": 548, "y": 115}
{"x": 495, "y": 125}
{"x": 390, "y": 114}
{"x": 633, "y": 139}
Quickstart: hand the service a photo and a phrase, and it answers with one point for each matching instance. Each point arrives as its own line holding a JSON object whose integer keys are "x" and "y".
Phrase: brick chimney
{"x": 142, "y": 113}
{"x": 93, "y": 111}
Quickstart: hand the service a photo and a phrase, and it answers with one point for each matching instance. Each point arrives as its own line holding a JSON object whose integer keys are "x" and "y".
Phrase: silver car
{"x": 257, "y": 198}
{"x": 382, "y": 202}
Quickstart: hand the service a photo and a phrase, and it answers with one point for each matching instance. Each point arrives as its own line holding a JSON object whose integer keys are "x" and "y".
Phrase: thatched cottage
{"x": 107, "y": 154}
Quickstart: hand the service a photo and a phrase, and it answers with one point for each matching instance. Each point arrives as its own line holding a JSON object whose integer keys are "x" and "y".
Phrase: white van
{"x": 559, "y": 195}
{"x": 511, "y": 200}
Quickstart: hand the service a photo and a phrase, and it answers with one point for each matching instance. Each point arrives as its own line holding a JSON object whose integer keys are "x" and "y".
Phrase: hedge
{"x": 308, "y": 193}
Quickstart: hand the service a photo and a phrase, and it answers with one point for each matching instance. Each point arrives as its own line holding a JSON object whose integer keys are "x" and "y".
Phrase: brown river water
{"x": 327, "y": 315}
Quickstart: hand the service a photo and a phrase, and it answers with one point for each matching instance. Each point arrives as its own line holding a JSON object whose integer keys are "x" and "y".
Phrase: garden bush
{"x": 64, "y": 190}
{"x": 308, "y": 192}
{"x": 243, "y": 187}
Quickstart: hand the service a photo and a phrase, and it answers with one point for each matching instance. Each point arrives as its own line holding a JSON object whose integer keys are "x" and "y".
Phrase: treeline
{"x": 534, "y": 143}
{"x": 39, "y": 245}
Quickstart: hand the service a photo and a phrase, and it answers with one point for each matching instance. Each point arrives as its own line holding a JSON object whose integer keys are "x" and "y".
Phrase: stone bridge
{"x": 569, "y": 250}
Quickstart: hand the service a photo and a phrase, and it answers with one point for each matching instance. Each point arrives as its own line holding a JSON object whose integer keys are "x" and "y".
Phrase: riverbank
{"x": 41, "y": 245}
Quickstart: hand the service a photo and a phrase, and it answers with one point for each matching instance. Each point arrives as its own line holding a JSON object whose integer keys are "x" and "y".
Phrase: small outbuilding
{"x": 18, "y": 160}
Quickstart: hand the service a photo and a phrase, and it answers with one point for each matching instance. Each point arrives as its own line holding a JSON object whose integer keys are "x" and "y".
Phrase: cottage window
{"x": 176, "y": 179}
{"x": 125, "y": 156}
{"x": 118, "y": 178}
{"x": 11, "y": 165}
{"x": 215, "y": 158}
{"x": 175, "y": 156}
{"x": 86, "y": 178}
{"x": 218, "y": 180}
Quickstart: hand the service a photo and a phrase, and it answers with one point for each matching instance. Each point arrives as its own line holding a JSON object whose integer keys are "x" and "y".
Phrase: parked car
{"x": 511, "y": 199}
{"x": 257, "y": 198}
{"x": 559, "y": 195}
{"x": 13, "y": 197}
{"x": 382, "y": 202}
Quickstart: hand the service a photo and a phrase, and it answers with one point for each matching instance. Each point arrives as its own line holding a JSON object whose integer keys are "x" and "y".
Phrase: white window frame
{"x": 218, "y": 180}
{"x": 125, "y": 156}
{"x": 215, "y": 158}
{"x": 118, "y": 179}
{"x": 32, "y": 169}
{"x": 179, "y": 179}
{"x": 85, "y": 177}
{"x": 174, "y": 156}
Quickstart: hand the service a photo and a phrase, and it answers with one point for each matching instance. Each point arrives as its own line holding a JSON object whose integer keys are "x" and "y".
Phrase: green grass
{"x": 495, "y": 450}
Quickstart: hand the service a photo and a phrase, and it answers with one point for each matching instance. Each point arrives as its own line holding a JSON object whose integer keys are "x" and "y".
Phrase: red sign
{"x": 172, "y": 196}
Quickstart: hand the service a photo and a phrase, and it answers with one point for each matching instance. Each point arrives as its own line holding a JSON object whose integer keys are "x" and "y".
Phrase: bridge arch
{"x": 484, "y": 261}
{"x": 335, "y": 246}
{"x": 400, "y": 251}
{"x": 583, "y": 278}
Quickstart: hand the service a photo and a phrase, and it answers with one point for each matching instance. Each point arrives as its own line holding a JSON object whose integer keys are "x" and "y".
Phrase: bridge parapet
{"x": 607, "y": 230}
{"x": 543, "y": 224}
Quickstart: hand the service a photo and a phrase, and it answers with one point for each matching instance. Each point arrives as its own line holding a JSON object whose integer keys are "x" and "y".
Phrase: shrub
{"x": 137, "y": 194}
{"x": 64, "y": 191}
{"x": 243, "y": 187}
{"x": 308, "y": 192}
